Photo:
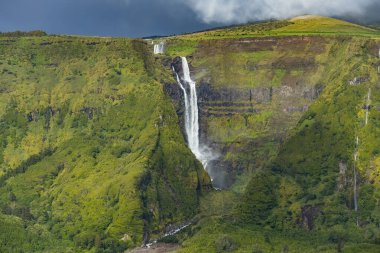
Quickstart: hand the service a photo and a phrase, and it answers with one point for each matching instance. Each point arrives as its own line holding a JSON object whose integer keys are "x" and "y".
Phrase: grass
{"x": 323, "y": 25}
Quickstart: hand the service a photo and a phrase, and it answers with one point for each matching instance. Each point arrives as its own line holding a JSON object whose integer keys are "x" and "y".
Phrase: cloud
{"x": 238, "y": 11}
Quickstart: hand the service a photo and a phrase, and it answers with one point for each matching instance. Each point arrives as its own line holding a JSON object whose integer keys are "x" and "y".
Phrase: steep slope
{"x": 317, "y": 183}
{"x": 86, "y": 134}
{"x": 252, "y": 91}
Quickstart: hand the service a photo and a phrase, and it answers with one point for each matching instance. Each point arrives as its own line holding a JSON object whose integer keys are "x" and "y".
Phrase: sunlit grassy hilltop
{"x": 302, "y": 25}
{"x": 309, "y": 25}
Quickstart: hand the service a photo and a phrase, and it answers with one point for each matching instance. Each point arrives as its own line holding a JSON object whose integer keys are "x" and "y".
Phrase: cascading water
{"x": 202, "y": 152}
{"x": 159, "y": 48}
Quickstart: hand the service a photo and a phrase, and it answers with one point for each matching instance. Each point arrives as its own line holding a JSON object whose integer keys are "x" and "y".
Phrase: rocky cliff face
{"x": 251, "y": 92}
{"x": 293, "y": 107}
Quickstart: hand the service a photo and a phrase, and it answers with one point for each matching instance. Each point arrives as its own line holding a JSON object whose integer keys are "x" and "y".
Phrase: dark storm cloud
{"x": 133, "y": 18}
{"x": 136, "y": 18}
{"x": 372, "y": 14}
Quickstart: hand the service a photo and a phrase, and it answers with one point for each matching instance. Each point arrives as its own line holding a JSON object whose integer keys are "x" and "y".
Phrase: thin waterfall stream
{"x": 355, "y": 174}
{"x": 159, "y": 48}
{"x": 367, "y": 107}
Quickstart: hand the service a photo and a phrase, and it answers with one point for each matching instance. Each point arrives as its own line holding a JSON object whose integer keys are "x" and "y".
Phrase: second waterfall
{"x": 202, "y": 152}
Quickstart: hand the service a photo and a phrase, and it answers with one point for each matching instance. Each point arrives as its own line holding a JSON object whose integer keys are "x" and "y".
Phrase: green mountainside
{"x": 93, "y": 158}
{"x": 90, "y": 144}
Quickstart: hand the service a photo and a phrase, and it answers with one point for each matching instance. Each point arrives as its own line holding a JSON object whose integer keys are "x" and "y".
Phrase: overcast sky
{"x": 138, "y": 18}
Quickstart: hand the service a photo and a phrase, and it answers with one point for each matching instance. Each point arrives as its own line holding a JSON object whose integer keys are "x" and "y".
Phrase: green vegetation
{"x": 92, "y": 158}
{"x": 243, "y": 238}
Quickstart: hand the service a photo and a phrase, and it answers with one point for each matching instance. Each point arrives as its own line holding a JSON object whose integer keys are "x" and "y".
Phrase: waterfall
{"x": 201, "y": 151}
{"x": 355, "y": 174}
{"x": 159, "y": 48}
{"x": 367, "y": 106}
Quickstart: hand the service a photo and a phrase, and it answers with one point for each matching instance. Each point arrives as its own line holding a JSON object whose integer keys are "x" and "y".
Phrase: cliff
{"x": 285, "y": 113}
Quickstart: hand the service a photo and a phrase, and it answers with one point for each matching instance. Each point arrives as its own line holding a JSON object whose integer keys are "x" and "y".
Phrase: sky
{"x": 140, "y": 18}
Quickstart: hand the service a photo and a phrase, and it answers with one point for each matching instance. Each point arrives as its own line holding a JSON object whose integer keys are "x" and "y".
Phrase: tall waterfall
{"x": 201, "y": 151}
{"x": 159, "y": 48}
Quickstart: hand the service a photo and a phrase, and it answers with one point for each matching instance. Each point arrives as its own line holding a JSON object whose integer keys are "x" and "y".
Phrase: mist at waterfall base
{"x": 205, "y": 154}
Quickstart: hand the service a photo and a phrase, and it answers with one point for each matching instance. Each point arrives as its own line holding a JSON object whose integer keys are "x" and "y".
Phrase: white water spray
{"x": 159, "y": 48}
{"x": 202, "y": 152}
